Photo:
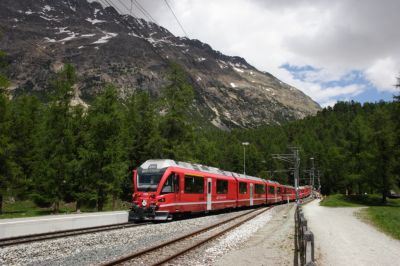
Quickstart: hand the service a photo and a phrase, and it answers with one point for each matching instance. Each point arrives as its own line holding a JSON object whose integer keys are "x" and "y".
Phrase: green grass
{"x": 27, "y": 208}
{"x": 338, "y": 200}
{"x": 385, "y": 217}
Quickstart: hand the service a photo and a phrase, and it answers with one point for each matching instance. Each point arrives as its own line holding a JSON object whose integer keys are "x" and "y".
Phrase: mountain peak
{"x": 105, "y": 46}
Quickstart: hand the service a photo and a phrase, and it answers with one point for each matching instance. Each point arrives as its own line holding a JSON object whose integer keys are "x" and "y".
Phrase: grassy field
{"x": 385, "y": 217}
{"x": 338, "y": 200}
{"x": 20, "y": 209}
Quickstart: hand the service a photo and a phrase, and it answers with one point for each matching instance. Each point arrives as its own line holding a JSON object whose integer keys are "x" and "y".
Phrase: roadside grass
{"x": 338, "y": 200}
{"x": 385, "y": 217}
{"x": 26, "y": 208}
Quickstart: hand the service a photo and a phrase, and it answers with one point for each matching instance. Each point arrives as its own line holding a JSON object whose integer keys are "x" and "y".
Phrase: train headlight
{"x": 144, "y": 203}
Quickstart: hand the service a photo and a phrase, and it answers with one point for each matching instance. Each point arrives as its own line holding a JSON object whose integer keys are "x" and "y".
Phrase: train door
{"x": 177, "y": 186}
{"x": 251, "y": 194}
{"x": 209, "y": 193}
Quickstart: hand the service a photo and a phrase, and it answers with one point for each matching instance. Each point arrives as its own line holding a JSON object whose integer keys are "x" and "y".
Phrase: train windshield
{"x": 148, "y": 181}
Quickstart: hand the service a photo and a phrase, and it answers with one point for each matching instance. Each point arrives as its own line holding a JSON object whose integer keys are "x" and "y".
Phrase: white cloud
{"x": 336, "y": 37}
{"x": 383, "y": 74}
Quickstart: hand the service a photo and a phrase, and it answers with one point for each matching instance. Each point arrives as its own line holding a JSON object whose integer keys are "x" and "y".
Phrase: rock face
{"x": 39, "y": 36}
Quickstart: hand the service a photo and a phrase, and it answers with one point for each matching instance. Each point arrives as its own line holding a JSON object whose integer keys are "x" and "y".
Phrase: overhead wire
{"x": 176, "y": 18}
{"x": 148, "y": 15}
{"x": 171, "y": 47}
{"x": 151, "y": 19}
{"x": 128, "y": 24}
{"x": 144, "y": 11}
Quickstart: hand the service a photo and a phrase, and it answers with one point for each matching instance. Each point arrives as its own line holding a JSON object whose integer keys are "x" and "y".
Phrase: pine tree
{"x": 7, "y": 165}
{"x": 104, "y": 154}
{"x": 55, "y": 143}
{"x": 396, "y": 121}
{"x": 383, "y": 141}
{"x": 175, "y": 127}
{"x": 358, "y": 136}
{"x": 25, "y": 114}
{"x": 77, "y": 174}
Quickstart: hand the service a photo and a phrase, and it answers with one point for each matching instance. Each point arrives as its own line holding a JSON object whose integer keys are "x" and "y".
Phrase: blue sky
{"x": 369, "y": 93}
{"x": 331, "y": 50}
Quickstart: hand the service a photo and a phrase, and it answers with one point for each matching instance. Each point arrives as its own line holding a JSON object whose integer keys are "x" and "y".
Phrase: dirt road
{"x": 343, "y": 239}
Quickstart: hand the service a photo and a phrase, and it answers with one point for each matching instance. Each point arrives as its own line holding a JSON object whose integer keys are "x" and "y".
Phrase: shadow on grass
{"x": 372, "y": 200}
{"x": 340, "y": 200}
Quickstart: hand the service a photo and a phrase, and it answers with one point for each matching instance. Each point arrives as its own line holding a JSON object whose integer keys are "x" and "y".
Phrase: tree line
{"x": 52, "y": 151}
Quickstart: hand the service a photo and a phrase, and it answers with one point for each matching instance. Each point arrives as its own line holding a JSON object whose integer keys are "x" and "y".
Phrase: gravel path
{"x": 342, "y": 239}
{"x": 265, "y": 240}
{"x": 91, "y": 249}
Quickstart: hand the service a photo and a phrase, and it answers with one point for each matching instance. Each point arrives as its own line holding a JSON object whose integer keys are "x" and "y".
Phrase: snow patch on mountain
{"x": 50, "y": 40}
{"x": 47, "y": 8}
{"x": 106, "y": 37}
{"x": 95, "y": 21}
{"x": 50, "y": 18}
{"x": 237, "y": 69}
{"x": 88, "y": 35}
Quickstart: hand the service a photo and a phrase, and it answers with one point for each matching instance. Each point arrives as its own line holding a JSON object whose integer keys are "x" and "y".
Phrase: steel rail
{"x": 167, "y": 243}
{"x": 63, "y": 233}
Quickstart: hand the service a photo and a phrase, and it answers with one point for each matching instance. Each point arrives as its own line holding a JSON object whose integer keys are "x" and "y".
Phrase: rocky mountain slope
{"x": 39, "y": 36}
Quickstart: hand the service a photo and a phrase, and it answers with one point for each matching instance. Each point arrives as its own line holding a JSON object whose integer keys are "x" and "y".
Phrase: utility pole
{"x": 312, "y": 172}
{"x": 293, "y": 158}
{"x": 244, "y": 157}
{"x": 309, "y": 176}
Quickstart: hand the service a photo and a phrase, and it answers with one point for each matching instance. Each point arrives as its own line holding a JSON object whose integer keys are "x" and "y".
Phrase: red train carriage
{"x": 272, "y": 192}
{"x": 251, "y": 190}
{"x": 163, "y": 188}
{"x": 288, "y": 193}
{"x": 304, "y": 192}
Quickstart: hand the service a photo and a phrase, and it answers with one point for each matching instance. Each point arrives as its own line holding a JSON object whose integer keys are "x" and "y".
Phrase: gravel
{"x": 268, "y": 237}
{"x": 92, "y": 249}
{"x": 342, "y": 239}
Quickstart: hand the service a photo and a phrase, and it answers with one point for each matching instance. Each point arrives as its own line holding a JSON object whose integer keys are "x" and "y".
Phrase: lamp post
{"x": 244, "y": 156}
{"x": 312, "y": 172}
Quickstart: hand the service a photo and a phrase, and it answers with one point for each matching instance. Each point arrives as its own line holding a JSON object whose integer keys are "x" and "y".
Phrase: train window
{"x": 222, "y": 186}
{"x": 271, "y": 190}
{"x": 260, "y": 189}
{"x": 242, "y": 187}
{"x": 170, "y": 186}
{"x": 278, "y": 190}
{"x": 194, "y": 184}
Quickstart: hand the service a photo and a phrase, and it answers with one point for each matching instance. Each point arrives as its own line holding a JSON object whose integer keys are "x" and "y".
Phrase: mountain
{"x": 40, "y": 36}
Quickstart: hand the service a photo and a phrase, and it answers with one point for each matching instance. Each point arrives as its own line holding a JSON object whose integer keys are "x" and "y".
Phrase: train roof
{"x": 164, "y": 163}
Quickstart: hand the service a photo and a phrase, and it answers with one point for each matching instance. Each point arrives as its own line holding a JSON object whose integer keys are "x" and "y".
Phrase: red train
{"x": 165, "y": 188}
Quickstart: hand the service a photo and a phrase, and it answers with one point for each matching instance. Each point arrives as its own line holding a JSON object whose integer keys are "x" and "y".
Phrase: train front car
{"x": 154, "y": 184}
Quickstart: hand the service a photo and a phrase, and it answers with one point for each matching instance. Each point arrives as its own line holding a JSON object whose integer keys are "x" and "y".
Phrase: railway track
{"x": 64, "y": 233}
{"x": 167, "y": 251}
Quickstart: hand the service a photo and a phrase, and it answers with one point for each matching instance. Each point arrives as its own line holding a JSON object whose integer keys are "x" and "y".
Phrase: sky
{"x": 331, "y": 50}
